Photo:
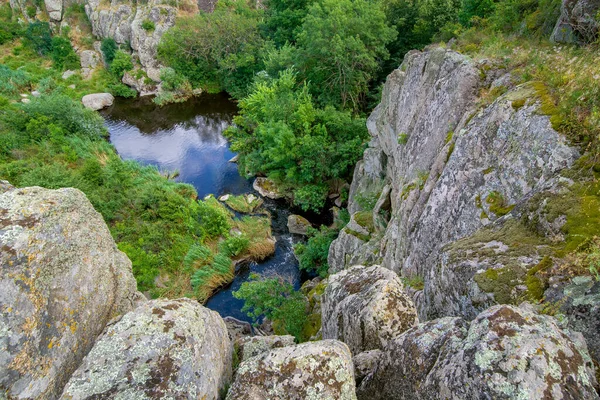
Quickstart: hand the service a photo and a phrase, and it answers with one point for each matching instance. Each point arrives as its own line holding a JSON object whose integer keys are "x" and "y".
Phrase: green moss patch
{"x": 497, "y": 204}
{"x": 365, "y": 219}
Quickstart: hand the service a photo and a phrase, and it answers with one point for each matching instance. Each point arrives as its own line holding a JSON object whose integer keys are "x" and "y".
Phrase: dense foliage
{"x": 282, "y": 134}
{"x": 277, "y": 300}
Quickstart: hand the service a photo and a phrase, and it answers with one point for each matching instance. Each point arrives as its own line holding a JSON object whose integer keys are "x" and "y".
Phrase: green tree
{"x": 216, "y": 51}
{"x": 283, "y": 19}
{"x": 280, "y": 133}
{"x": 340, "y": 47}
{"x": 277, "y": 300}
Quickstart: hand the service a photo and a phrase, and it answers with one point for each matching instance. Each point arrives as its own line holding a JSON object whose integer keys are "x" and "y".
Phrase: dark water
{"x": 187, "y": 137}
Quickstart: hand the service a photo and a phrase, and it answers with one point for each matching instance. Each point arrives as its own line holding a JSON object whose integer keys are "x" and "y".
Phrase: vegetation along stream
{"x": 185, "y": 140}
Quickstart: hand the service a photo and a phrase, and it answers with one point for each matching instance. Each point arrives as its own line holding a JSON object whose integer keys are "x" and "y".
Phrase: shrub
{"x": 12, "y": 82}
{"x": 39, "y": 37}
{"x": 234, "y": 246}
{"x": 213, "y": 219}
{"x": 313, "y": 255}
{"x": 148, "y": 25}
{"x": 109, "y": 49}
{"x": 120, "y": 64}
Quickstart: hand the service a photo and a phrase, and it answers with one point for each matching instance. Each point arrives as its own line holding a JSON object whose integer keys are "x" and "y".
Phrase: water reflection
{"x": 184, "y": 137}
{"x": 187, "y": 137}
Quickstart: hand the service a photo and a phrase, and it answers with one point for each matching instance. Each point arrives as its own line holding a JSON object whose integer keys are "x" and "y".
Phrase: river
{"x": 187, "y": 137}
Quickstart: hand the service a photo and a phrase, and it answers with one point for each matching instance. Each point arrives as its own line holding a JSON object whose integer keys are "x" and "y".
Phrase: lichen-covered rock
{"x": 512, "y": 352}
{"x": 249, "y": 347}
{"x": 364, "y": 363}
{"x": 309, "y": 371}
{"x": 267, "y": 188}
{"x": 97, "y": 101}
{"x": 453, "y": 170}
{"x": 507, "y": 352}
{"x": 297, "y": 224}
{"x": 579, "y": 301}
{"x": 366, "y": 308}
{"x": 142, "y": 84}
{"x": 162, "y": 349}
{"x": 62, "y": 279}
{"x": 578, "y": 22}
{"x": 403, "y": 365}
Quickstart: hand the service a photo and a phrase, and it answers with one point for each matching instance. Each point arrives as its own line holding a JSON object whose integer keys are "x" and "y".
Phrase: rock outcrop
{"x": 507, "y": 352}
{"x": 578, "y": 22}
{"x": 162, "y": 349}
{"x": 62, "y": 279}
{"x": 315, "y": 370}
{"x": 446, "y": 168}
{"x": 97, "y": 101}
{"x": 366, "y": 308}
{"x": 141, "y": 25}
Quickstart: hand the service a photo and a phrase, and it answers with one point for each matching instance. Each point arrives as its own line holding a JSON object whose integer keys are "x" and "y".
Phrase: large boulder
{"x": 507, "y": 352}
{"x": 366, "y": 308}
{"x": 97, "y": 101}
{"x": 578, "y": 22}
{"x": 162, "y": 349}
{"x": 62, "y": 279}
{"x": 315, "y": 370}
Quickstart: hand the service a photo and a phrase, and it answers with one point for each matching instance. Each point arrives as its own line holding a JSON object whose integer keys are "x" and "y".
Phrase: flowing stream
{"x": 187, "y": 137}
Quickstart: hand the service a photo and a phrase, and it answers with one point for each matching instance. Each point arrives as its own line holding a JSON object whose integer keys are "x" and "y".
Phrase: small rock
{"x": 67, "y": 74}
{"x": 25, "y": 101}
{"x": 97, "y": 101}
{"x": 225, "y": 197}
{"x": 315, "y": 370}
{"x": 35, "y": 93}
{"x": 297, "y": 224}
{"x": 24, "y": 95}
{"x": 251, "y": 198}
{"x": 235, "y": 158}
{"x": 71, "y": 86}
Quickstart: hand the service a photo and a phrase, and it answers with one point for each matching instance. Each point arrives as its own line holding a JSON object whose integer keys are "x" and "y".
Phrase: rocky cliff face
{"x": 448, "y": 169}
{"x": 61, "y": 280}
{"x": 124, "y": 22}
